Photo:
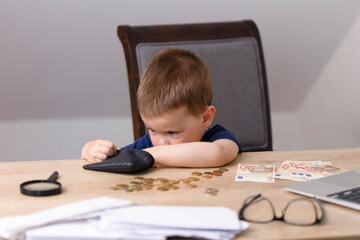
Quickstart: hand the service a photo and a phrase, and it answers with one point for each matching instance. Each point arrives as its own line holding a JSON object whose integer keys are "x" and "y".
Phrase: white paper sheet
{"x": 14, "y": 227}
{"x": 179, "y": 217}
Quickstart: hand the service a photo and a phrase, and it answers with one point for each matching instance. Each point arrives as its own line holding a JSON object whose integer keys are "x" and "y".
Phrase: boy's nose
{"x": 163, "y": 141}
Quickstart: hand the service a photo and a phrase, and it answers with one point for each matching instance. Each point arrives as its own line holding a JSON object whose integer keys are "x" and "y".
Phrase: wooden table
{"x": 79, "y": 184}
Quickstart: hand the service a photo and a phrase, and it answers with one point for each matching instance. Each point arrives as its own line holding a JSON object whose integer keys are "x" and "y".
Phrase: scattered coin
{"x": 161, "y": 180}
{"x": 163, "y": 189}
{"x": 172, "y": 182}
{"x": 217, "y": 173}
{"x": 147, "y": 187}
{"x": 211, "y": 190}
{"x": 193, "y": 179}
{"x": 127, "y": 189}
{"x": 196, "y": 173}
{"x": 207, "y": 176}
{"x": 139, "y": 178}
{"x": 185, "y": 181}
{"x": 191, "y": 185}
{"x": 223, "y": 169}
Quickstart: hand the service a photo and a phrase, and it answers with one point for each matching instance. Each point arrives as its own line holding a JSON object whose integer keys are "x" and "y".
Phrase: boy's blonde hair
{"x": 174, "y": 78}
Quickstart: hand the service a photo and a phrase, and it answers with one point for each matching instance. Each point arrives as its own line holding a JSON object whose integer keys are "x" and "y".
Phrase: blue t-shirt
{"x": 215, "y": 133}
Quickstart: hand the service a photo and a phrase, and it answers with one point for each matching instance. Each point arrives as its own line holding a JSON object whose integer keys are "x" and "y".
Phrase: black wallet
{"x": 124, "y": 161}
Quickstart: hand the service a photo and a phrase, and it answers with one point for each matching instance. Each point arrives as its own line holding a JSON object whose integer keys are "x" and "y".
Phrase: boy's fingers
{"x": 100, "y": 156}
{"x": 109, "y": 151}
{"x": 106, "y": 143}
{"x": 114, "y": 149}
{"x": 98, "y": 150}
{"x": 96, "y": 160}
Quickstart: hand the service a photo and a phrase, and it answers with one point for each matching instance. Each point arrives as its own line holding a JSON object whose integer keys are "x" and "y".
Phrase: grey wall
{"x": 63, "y": 77}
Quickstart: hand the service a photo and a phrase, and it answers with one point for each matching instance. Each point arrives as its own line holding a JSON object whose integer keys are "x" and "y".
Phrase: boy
{"x": 174, "y": 101}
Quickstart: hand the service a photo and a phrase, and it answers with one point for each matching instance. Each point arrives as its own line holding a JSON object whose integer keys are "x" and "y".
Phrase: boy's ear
{"x": 208, "y": 116}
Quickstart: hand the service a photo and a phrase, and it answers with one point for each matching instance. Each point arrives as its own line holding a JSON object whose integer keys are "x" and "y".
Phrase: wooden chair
{"x": 234, "y": 55}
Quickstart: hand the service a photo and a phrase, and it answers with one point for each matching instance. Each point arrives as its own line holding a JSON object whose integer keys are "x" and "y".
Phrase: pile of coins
{"x": 164, "y": 184}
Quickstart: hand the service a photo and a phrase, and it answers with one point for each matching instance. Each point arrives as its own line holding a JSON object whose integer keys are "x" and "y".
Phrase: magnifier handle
{"x": 53, "y": 176}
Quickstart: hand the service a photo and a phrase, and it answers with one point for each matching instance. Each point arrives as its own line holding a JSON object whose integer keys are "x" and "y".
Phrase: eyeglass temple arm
{"x": 241, "y": 212}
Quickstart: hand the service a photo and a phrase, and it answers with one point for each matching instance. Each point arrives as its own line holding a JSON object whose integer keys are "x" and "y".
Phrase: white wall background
{"x": 63, "y": 77}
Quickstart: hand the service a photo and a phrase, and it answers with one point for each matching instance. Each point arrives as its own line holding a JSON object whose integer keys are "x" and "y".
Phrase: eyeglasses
{"x": 299, "y": 211}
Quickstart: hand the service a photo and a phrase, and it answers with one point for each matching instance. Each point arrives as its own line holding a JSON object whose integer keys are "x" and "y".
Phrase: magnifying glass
{"x": 42, "y": 187}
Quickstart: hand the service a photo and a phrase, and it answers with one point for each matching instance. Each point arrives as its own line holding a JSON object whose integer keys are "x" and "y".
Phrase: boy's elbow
{"x": 225, "y": 160}
{"x": 225, "y": 154}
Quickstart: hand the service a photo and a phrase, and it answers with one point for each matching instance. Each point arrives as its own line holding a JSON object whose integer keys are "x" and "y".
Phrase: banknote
{"x": 255, "y": 173}
{"x": 306, "y": 170}
{"x": 296, "y": 170}
{"x": 323, "y": 171}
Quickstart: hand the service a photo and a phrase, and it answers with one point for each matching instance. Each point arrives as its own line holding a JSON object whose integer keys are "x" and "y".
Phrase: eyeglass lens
{"x": 300, "y": 212}
{"x": 260, "y": 210}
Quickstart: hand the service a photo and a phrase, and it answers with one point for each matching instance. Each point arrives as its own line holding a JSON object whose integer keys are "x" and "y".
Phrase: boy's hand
{"x": 98, "y": 150}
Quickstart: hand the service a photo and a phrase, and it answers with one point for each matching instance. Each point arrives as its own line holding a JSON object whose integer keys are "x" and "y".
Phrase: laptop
{"x": 341, "y": 189}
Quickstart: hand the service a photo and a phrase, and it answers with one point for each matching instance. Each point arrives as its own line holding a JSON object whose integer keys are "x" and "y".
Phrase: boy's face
{"x": 178, "y": 126}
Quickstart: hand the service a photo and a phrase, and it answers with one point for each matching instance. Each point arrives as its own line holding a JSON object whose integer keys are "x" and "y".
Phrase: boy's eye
{"x": 172, "y": 133}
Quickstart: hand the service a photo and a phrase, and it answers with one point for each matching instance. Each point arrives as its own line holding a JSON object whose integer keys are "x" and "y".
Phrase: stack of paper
{"x": 125, "y": 221}
{"x": 149, "y": 222}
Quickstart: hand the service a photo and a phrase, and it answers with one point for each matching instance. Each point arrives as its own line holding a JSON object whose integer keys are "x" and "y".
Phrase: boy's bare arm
{"x": 195, "y": 154}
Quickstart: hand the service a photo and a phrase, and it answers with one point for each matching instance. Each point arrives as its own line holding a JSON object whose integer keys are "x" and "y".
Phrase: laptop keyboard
{"x": 352, "y": 195}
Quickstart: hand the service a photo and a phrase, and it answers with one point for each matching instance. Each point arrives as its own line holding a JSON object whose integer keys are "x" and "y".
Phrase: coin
{"x": 161, "y": 179}
{"x": 184, "y": 180}
{"x": 122, "y": 185}
{"x": 193, "y": 179}
{"x": 223, "y": 169}
{"x": 217, "y": 173}
{"x": 127, "y": 189}
{"x": 147, "y": 182}
{"x": 208, "y": 173}
{"x": 174, "y": 187}
{"x": 163, "y": 189}
{"x": 211, "y": 190}
{"x": 196, "y": 173}
{"x": 172, "y": 182}
{"x": 139, "y": 178}
{"x": 207, "y": 176}
{"x": 135, "y": 183}
{"x": 191, "y": 185}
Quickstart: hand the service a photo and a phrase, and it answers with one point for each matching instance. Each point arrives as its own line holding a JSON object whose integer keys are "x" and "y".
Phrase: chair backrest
{"x": 234, "y": 55}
